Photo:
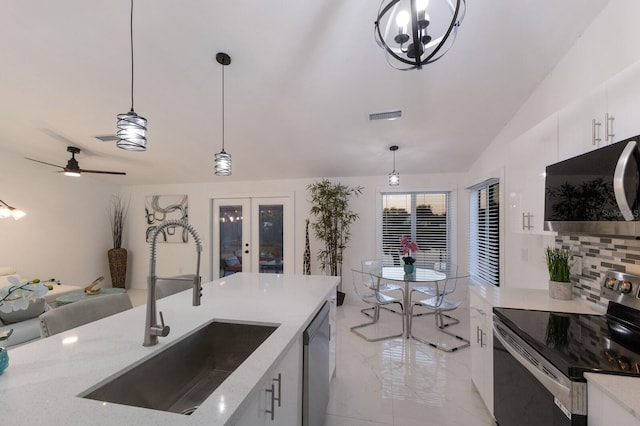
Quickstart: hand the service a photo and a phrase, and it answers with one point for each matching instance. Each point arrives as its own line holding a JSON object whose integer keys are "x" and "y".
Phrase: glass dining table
{"x": 419, "y": 276}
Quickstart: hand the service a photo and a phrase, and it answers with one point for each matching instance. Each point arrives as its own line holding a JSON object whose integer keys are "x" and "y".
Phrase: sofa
{"x": 25, "y": 323}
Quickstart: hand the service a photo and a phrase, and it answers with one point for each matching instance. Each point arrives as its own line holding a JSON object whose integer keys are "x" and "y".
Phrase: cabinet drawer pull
{"x": 273, "y": 402}
{"x": 608, "y": 127}
{"x": 279, "y": 380}
{"x": 595, "y": 132}
{"x": 477, "y": 334}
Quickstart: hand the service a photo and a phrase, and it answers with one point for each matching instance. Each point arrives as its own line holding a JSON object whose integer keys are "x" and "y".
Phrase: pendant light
{"x": 222, "y": 159}
{"x": 414, "y": 33}
{"x": 132, "y": 128}
{"x": 394, "y": 177}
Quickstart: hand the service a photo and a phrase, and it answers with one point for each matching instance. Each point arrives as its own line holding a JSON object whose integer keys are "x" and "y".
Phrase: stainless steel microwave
{"x": 596, "y": 193}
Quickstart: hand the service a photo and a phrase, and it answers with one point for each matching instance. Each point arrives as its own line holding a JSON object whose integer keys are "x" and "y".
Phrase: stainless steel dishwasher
{"x": 315, "y": 369}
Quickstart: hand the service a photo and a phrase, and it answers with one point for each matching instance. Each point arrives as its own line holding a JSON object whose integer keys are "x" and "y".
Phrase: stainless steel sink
{"x": 180, "y": 377}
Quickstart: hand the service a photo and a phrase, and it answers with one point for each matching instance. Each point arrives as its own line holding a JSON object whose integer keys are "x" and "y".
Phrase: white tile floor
{"x": 401, "y": 382}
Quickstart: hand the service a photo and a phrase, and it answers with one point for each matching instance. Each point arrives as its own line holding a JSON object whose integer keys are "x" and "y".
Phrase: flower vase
{"x": 4, "y": 360}
{"x": 408, "y": 269}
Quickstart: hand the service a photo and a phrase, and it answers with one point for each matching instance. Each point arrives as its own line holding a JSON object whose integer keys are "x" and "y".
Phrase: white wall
{"x": 66, "y": 233}
{"x": 180, "y": 258}
{"x": 609, "y": 45}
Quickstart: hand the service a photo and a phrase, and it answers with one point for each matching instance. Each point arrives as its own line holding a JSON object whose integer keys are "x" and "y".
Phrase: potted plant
{"x": 117, "y": 255}
{"x": 330, "y": 206}
{"x": 558, "y": 263}
{"x": 406, "y": 248}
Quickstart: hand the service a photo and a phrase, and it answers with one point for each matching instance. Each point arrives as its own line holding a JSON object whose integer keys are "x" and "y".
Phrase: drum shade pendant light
{"x": 132, "y": 128}
{"x": 414, "y": 33}
{"x": 394, "y": 177}
{"x": 222, "y": 159}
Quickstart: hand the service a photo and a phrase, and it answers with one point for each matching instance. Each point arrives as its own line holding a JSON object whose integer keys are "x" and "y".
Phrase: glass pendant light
{"x": 222, "y": 159}
{"x": 132, "y": 128}
{"x": 394, "y": 177}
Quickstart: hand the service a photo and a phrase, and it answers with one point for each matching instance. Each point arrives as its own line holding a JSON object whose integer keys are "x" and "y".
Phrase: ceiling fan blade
{"x": 43, "y": 162}
{"x": 104, "y": 172}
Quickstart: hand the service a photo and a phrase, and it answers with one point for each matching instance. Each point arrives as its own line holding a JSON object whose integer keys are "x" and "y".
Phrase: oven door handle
{"x": 561, "y": 392}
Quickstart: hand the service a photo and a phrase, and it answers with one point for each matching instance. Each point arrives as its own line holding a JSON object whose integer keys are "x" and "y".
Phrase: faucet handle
{"x": 161, "y": 330}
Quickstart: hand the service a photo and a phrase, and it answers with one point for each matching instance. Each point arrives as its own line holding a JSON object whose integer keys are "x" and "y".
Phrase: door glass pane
{"x": 271, "y": 238}
{"x": 230, "y": 239}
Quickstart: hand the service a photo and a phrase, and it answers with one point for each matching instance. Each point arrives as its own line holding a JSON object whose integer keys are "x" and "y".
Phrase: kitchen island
{"x": 44, "y": 378}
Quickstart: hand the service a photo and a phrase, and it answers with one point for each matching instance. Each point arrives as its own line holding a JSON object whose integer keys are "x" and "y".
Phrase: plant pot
{"x": 340, "y": 298}
{"x": 408, "y": 269}
{"x": 118, "y": 266}
{"x": 560, "y": 290}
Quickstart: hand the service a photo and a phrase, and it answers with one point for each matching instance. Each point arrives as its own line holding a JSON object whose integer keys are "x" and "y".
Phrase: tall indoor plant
{"x": 117, "y": 255}
{"x": 330, "y": 206}
{"x": 558, "y": 264}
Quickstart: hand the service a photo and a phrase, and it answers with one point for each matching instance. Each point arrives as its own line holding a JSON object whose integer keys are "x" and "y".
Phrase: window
{"x": 484, "y": 232}
{"x": 422, "y": 217}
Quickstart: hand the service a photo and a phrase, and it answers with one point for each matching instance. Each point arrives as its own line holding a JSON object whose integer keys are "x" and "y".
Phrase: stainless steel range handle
{"x": 543, "y": 373}
{"x": 618, "y": 180}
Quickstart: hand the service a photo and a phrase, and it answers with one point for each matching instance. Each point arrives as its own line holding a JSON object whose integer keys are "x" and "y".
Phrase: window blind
{"x": 422, "y": 217}
{"x": 484, "y": 232}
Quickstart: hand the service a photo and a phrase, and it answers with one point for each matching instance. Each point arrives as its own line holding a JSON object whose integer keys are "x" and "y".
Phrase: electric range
{"x": 540, "y": 357}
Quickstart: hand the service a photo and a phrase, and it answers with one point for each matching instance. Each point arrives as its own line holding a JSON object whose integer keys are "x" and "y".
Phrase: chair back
{"x": 366, "y": 287}
{"x": 75, "y": 314}
{"x": 371, "y": 266}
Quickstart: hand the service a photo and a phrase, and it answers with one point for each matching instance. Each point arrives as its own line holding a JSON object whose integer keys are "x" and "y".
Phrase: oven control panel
{"x": 621, "y": 287}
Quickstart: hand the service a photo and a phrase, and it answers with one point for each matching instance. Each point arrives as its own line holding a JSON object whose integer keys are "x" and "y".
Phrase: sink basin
{"x": 180, "y": 377}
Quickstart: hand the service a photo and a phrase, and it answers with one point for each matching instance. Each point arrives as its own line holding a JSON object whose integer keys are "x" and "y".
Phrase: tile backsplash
{"x": 598, "y": 255}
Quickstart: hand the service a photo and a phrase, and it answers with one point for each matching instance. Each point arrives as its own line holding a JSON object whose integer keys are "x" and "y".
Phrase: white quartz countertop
{"x": 533, "y": 299}
{"x": 41, "y": 384}
{"x": 623, "y": 390}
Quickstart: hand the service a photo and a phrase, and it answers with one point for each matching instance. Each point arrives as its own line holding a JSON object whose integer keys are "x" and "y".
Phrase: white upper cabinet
{"x": 623, "y": 100}
{"x": 608, "y": 114}
{"x": 529, "y": 155}
{"x": 582, "y": 125}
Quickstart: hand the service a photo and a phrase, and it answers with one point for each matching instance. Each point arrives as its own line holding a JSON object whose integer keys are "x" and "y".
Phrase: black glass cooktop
{"x": 578, "y": 343}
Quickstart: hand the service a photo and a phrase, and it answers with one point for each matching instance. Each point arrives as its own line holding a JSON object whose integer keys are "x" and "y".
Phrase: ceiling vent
{"x": 107, "y": 138}
{"x": 387, "y": 115}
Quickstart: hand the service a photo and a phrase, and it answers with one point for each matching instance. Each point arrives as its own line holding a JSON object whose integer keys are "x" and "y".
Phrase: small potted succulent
{"x": 559, "y": 265}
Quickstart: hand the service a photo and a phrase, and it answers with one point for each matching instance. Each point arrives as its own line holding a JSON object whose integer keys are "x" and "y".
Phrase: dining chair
{"x": 75, "y": 314}
{"x": 374, "y": 297}
{"x": 450, "y": 270}
{"x": 439, "y": 304}
{"x": 370, "y": 268}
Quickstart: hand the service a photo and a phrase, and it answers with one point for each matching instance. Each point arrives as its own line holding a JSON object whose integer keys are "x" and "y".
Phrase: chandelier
{"x": 414, "y": 33}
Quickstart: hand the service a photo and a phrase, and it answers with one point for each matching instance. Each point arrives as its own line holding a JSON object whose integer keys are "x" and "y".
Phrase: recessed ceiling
{"x": 304, "y": 77}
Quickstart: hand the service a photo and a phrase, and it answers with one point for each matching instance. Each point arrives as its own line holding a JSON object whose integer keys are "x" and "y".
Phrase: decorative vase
{"x": 560, "y": 290}
{"x": 118, "y": 266}
{"x": 4, "y": 360}
{"x": 408, "y": 269}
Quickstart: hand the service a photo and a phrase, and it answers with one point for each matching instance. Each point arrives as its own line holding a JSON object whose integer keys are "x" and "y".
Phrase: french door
{"x": 252, "y": 235}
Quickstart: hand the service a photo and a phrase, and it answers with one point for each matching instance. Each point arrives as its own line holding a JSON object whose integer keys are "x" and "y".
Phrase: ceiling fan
{"x": 72, "y": 168}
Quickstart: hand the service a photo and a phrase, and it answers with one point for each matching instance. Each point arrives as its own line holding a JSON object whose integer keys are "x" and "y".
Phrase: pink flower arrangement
{"x": 406, "y": 248}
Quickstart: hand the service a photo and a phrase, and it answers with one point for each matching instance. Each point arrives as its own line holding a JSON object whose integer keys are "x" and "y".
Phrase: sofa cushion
{"x": 34, "y": 309}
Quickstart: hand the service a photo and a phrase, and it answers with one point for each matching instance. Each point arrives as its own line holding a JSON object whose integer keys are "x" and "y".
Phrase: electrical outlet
{"x": 576, "y": 267}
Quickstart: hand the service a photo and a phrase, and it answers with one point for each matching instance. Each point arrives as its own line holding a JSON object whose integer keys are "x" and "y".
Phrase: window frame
{"x": 484, "y": 272}
{"x": 452, "y": 218}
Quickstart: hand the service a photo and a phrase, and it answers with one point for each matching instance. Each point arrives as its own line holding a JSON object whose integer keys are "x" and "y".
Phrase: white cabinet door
{"x": 277, "y": 401}
{"x": 604, "y": 411}
{"x": 481, "y": 334}
{"x": 623, "y": 100}
{"x": 581, "y": 125}
{"x": 529, "y": 155}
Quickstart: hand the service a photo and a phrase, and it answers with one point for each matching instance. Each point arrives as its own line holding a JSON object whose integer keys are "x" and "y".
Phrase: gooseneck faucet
{"x": 152, "y": 329}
